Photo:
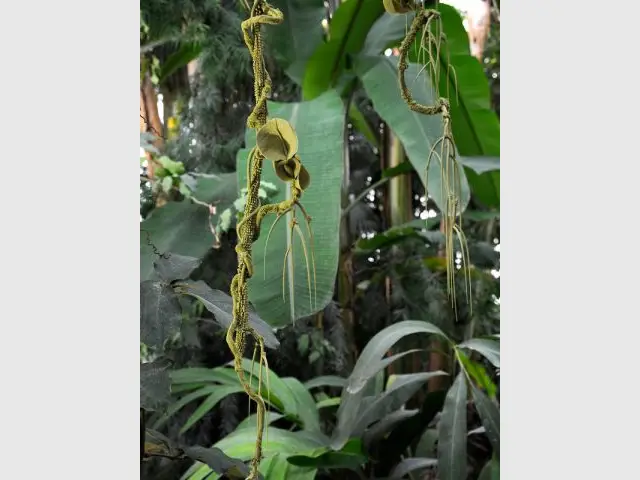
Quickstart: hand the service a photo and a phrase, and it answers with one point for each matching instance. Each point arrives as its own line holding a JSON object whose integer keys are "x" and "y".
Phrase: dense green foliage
{"x": 353, "y": 389}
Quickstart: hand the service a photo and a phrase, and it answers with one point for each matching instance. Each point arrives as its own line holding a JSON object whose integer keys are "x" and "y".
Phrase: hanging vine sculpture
{"x": 428, "y": 23}
{"x": 276, "y": 141}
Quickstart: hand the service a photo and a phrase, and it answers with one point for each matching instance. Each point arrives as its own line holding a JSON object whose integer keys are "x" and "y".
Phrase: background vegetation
{"x": 381, "y": 380}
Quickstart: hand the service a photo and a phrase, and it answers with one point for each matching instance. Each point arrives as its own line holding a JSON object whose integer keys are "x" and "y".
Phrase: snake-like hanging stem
{"x": 277, "y": 141}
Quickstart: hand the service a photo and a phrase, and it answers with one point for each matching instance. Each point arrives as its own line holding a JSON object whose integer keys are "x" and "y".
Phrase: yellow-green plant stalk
{"x": 275, "y": 140}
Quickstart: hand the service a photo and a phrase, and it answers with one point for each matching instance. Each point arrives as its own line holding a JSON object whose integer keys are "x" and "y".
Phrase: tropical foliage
{"x": 373, "y": 373}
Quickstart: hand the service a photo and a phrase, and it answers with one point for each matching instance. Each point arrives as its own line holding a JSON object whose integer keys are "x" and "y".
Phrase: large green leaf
{"x": 209, "y": 404}
{"x": 476, "y": 127}
{"x": 160, "y": 313}
{"x": 373, "y": 409}
{"x": 278, "y": 466}
{"x": 293, "y": 41}
{"x": 183, "y": 227}
{"x": 371, "y": 361}
{"x": 347, "y": 33}
{"x": 221, "y": 305}
{"x": 319, "y": 125}
{"x": 351, "y": 456}
{"x": 241, "y": 443}
{"x": 410, "y": 464}
{"x": 489, "y": 349}
{"x": 155, "y": 385}
{"x": 417, "y": 132}
{"x": 219, "y": 462}
{"x": 452, "y": 433}
{"x": 387, "y": 31}
{"x": 490, "y": 416}
{"x": 306, "y": 405}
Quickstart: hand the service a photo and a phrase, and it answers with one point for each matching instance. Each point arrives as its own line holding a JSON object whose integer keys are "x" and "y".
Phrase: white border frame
{"x": 70, "y": 229}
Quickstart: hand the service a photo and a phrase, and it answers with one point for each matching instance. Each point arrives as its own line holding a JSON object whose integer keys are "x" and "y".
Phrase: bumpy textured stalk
{"x": 247, "y": 230}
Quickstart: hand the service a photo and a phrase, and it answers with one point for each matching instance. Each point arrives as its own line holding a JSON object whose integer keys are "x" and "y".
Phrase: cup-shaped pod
{"x": 292, "y": 170}
{"x": 398, "y": 6}
{"x": 277, "y": 140}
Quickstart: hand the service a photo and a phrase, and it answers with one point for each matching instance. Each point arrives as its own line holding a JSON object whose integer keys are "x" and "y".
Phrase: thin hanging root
{"x": 307, "y": 221}
{"x": 266, "y": 242}
{"x": 465, "y": 265}
{"x": 306, "y": 259}
{"x": 284, "y": 272}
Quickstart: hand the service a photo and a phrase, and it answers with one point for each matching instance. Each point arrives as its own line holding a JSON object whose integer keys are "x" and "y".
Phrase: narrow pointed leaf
{"x": 489, "y": 349}
{"x": 221, "y": 305}
{"x": 410, "y": 464}
{"x": 210, "y": 402}
{"x": 417, "y": 132}
{"x": 452, "y": 433}
{"x": 490, "y": 416}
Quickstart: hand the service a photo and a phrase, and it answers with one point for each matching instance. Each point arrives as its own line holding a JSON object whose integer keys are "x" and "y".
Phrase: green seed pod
{"x": 277, "y": 140}
{"x": 398, "y": 6}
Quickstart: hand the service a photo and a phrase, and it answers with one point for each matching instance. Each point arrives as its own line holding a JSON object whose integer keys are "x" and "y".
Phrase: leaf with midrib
{"x": 319, "y": 125}
{"x": 160, "y": 313}
{"x": 490, "y": 416}
{"x": 241, "y": 444}
{"x": 417, "y": 132}
{"x": 410, "y": 464}
{"x": 221, "y": 305}
{"x": 452, "y": 433}
{"x": 489, "y": 349}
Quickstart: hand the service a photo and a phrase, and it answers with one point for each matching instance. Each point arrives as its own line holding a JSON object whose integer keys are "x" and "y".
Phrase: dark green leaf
{"x": 481, "y": 165}
{"x": 490, "y": 416}
{"x": 251, "y": 420}
{"x": 219, "y": 462}
{"x": 319, "y": 125}
{"x": 241, "y": 444}
{"x": 476, "y": 127}
{"x": 326, "y": 381}
{"x": 348, "y": 30}
{"x": 183, "y": 401}
{"x": 350, "y": 456}
{"x": 182, "y": 228}
{"x": 404, "y": 167}
{"x": 381, "y": 429}
{"x": 210, "y": 402}
{"x": 418, "y": 133}
{"x": 406, "y": 433}
{"x": 401, "y": 390}
{"x": 491, "y": 470}
{"x": 171, "y": 266}
{"x": 277, "y": 467}
{"x": 179, "y": 59}
{"x": 386, "y": 32}
{"x": 477, "y": 372}
{"x": 371, "y": 358}
{"x": 155, "y": 386}
{"x": 160, "y": 313}
{"x": 306, "y": 405}
{"x": 361, "y": 124}
{"x": 221, "y": 305}
{"x": 489, "y": 349}
{"x": 370, "y": 362}
{"x": 223, "y": 375}
{"x": 395, "y": 234}
{"x": 410, "y": 464}
{"x": 293, "y": 41}
{"x": 452, "y": 433}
